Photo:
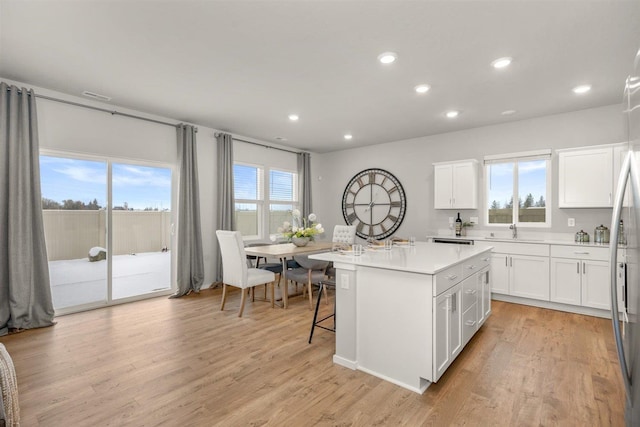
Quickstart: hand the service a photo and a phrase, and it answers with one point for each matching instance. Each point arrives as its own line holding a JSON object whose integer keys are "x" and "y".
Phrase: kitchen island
{"x": 405, "y": 314}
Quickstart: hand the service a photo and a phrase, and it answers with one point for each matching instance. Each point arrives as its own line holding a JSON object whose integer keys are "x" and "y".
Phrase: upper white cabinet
{"x": 587, "y": 176}
{"x": 456, "y": 185}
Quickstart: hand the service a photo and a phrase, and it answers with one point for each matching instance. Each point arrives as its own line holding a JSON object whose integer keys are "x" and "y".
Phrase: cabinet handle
{"x": 578, "y": 267}
{"x": 581, "y": 253}
{"x": 470, "y": 322}
{"x": 506, "y": 263}
{"x": 454, "y": 300}
{"x": 485, "y": 259}
{"x": 584, "y": 268}
{"x": 454, "y": 201}
{"x": 471, "y": 267}
{"x": 452, "y": 277}
{"x": 471, "y": 291}
{"x": 510, "y": 262}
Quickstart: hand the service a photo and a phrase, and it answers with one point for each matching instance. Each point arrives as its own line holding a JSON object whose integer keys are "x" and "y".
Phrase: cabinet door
{"x": 565, "y": 280}
{"x": 441, "y": 328}
{"x": 465, "y": 186}
{"x": 500, "y": 272}
{"x": 455, "y": 323}
{"x": 596, "y": 291}
{"x": 585, "y": 178}
{"x": 529, "y": 276}
{"x": 484, "y": 295}
{"x": 442, "y": 186}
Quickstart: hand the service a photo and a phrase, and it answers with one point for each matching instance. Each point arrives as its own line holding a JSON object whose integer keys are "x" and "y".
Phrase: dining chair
{"x": 311, "y": 272}
{"x": 342, "y": 235}
{"x": 330, "y": 283}
{"x": 235, "y": 271}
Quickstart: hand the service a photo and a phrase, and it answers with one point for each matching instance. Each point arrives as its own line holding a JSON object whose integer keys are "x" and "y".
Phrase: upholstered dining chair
{"x": 345, "y": 234}
{"x": 235, "y": 271}
{"x": 311, "y": 272}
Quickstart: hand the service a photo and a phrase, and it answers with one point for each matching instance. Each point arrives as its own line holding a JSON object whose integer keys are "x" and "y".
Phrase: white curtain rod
{"x": 112, "y": 112}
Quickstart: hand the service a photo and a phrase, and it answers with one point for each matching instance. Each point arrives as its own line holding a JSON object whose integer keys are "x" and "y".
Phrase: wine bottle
{"x": 458, "y": 226}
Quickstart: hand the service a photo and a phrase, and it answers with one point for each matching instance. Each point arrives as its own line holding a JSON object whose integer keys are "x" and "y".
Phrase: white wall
{"x": 410, "y": 161}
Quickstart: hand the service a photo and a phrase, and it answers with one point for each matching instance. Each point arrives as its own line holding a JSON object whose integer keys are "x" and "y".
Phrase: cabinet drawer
{"x": 580, "y": 252}
{"x": 446, "y": 279}
{"x": 469, "y": 292}
{"x": 469, "y": 323}
{"x": 476, "y": 264}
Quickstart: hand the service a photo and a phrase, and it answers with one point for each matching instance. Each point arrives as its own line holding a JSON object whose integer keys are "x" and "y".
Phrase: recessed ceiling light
{"x": 501, "y": 62}
{"x": 452, "y": 114}
{"x": 293, "y": 117}
{"x": 348, "y": 137}
{"x": 387, "y": 57}
{"x": 508, "y": 112}
{"x": 422, "y": 88}
{"x": 581, "y": 89}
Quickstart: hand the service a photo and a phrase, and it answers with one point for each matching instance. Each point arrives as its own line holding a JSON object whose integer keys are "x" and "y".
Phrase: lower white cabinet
{"x": 580, "y": 276}
{"x": 459, "y": 313}
{"x": 520, "y": 269}
{"x": 448, "y": 328}
{"x": 484, "y": 295}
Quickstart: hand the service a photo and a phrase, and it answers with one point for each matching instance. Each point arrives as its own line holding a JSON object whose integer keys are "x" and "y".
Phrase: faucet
{"x": 514, "y": 230}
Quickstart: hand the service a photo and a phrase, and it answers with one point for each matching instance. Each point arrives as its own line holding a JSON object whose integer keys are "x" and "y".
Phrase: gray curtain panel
{"x": 25, "y": 293}
{"x": 304, "y": 177}
{"x": 226, "y": 202}
{"x": 190, "y": 274}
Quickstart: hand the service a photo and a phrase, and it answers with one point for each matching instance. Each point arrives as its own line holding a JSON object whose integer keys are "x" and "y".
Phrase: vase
{"x": 300, "y": 241}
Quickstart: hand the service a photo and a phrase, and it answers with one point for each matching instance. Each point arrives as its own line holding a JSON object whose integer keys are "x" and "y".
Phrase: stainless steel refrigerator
{"x": 626, "y": 323}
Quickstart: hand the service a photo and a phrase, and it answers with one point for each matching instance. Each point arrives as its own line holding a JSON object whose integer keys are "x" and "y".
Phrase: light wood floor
{"x": 182, "y": 362}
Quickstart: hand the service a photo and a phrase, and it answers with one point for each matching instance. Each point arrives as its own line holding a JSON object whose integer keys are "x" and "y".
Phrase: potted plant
{"x": 463, "y": 231}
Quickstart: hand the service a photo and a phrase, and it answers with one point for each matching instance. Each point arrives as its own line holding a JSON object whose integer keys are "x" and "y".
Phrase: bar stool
{"x": 324, "y": 285}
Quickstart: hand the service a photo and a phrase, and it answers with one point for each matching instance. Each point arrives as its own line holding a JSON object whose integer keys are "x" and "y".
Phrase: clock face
{"x": 374, "y": 201}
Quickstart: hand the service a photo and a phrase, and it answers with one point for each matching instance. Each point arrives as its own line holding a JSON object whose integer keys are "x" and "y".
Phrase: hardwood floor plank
{"x": 183, "y": 362}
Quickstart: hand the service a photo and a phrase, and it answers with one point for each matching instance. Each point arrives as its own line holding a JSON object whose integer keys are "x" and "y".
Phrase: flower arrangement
{"x": 301, "y": 227}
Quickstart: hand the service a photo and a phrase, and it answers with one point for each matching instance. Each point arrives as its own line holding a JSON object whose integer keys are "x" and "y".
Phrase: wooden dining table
{"x": 286, "y": 251}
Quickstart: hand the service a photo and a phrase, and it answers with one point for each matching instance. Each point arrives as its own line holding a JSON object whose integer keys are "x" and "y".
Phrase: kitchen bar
{"x": 404, "y": 314}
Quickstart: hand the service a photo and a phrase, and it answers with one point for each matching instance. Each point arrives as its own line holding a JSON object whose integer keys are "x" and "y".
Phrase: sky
{"x": 139, "y": 186}
{"x": 531, "y": 179}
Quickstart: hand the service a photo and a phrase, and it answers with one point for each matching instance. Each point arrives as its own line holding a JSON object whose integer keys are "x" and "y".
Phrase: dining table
{"x": 285, "y": 251}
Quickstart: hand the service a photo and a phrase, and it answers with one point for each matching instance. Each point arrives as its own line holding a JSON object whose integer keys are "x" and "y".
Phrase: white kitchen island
{"x": 405, "y": 314}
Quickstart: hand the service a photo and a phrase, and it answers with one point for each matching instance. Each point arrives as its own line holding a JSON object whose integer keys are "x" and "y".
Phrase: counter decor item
{"x": 463, "y": 231}
{"x": 302, "y": 230}
{"x": 582, "y": 236}
{"x": 601, "y": 234}
{"x": 458, "y": 226}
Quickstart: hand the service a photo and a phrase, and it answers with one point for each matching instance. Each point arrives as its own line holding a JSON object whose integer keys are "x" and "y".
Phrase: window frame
{"x": 516, "y": 159}
{"x": 264, "y": 201}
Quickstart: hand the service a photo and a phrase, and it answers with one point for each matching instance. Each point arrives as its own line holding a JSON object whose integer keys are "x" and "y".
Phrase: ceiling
{"x": 244, "y": 66}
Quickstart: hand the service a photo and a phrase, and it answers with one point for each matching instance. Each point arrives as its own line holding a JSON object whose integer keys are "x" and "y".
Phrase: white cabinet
{"x": 458, "y": 306}
{"x": 448, "y": 328}
{"x": 484, "y": 295}
{"x": 529, "y": 276}
{"x": 580, "y": 276}
{"x": 520, "y": 269}
{"x": 456, "y": 185}
{"x": 587, "y": 176}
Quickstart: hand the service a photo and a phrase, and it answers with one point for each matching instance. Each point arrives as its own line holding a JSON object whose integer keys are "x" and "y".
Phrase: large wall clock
{"x": 374, "y": 201}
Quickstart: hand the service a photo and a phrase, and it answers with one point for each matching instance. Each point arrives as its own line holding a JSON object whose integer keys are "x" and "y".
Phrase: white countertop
{"x": 424, "y": 258}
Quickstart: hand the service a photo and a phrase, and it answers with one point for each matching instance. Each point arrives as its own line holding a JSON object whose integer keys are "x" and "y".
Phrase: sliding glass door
{"x": 141, "y": 223}
{"x": 107, "y": 230}
{"x": 74, "y": 197}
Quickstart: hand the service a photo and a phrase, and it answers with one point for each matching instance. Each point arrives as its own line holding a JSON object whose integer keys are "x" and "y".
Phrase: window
{"x": 281, "y": 190}
{"x": 518, "y": 189}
